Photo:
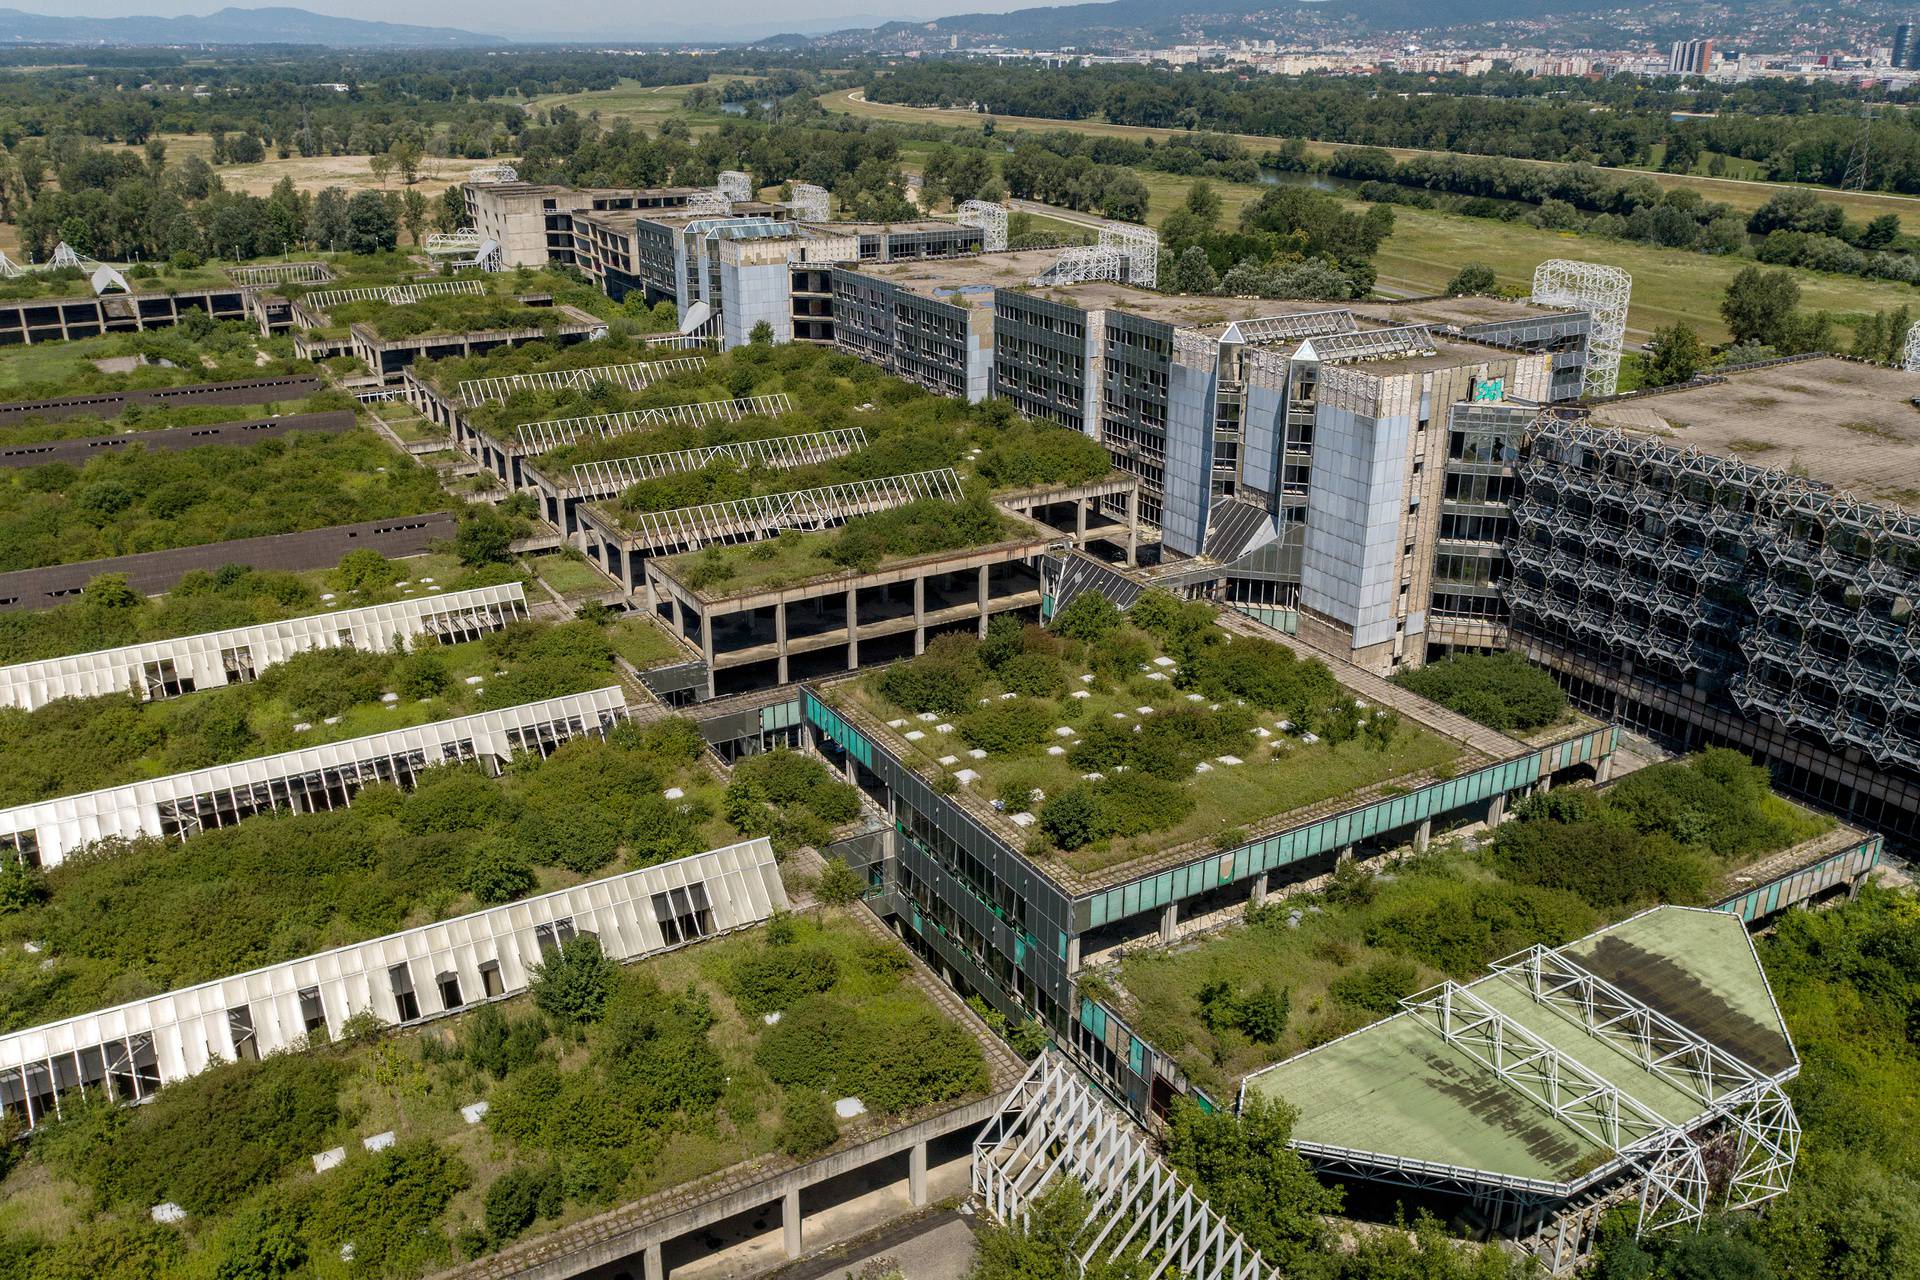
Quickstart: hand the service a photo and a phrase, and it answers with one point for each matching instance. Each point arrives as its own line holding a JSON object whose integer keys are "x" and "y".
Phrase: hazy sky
{"x": 575, "y": 19}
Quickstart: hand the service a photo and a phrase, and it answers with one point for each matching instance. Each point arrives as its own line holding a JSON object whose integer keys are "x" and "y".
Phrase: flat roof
{"x": 905, "y": 224}
{"x": 1844, "y": 423}
{"x": 1395, "y": 1089}
{"x": 1461, "y": 311}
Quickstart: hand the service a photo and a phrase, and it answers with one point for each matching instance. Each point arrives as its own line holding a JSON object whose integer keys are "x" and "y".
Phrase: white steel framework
{"x": 489, "y": 174}
{"x": 396, "y": 295}
{"x": 991, "y": 219}
{"x": 64, "y": 255}
{"x": 1053, "y": 1125}
{"x": 1139, "y": 245}
{"x": 282, "y": 273}
{"x": 781, "y": 453}
{"x": 810, "y": 203}
{"x": 631, "y": 377}
{"x": 751, "y": 519}
{"x": 734, "y": 185}
{"x": 1910, "y": 350}
{"x": 1601, "y": 291}
{"x": 1082, "y": 263}
{"x": 1673, "y": 1168}
{"x": 446, "y": 243}
{"x": 709, "y": 204}
{"x": 9, "y": 269}
{"x": 1305, "y": 324}
{"x": 538, "y": 437}
{"x": 1370, "y": 344}
{"x": 127, "y": 1052}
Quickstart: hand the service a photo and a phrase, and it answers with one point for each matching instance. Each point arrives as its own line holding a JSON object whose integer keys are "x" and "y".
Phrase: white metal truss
{"x": 1723, "y": 1084}
{"x": 1910, "y": 353}
{"x": 735, "y": 185}
{"x": 810, "y": 203}
{"x": 446, "y": 243}
{"x": 632, "y": 377}
{"x": 781, "y": 453}
{"x": 1601, "y": 291}
{"x": 9, "y": 269}
{"x": 751, "y": 519}
{"x": 1671, "y": 1163}
{"x": 396, "y": 295}
{"x": 1304, "y": 324}
{"x": 282, "y": 273}
{"x": 538, "y": 437}
{"x": 490, "y": 174}
{"x": 1083, "y": 263}
{"x": 678, "y": 341}
{"x": 1139, "y": 245}
{"x": 991, "y": 218}
{"x": 1053, "y": 1125}
{"x": 64, "y": 255}
{"x": 709, "y": 204}
{"x": 1371, "y": 344}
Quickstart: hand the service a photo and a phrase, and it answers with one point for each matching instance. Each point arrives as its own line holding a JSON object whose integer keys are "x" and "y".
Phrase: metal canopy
{"x": 633, "y": 377}
{"x": 750, "y": 519}
{"x": 1305, "y": 324}
{"x": 603, "y": 479}
{"x": 282, "y": 273}
{"x": 396, "y": 295}
{"x": 554, "y": 432}
{"x": 1370, "y": 344}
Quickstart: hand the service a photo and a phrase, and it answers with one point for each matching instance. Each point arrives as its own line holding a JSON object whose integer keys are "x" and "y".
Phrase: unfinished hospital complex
{"x": 1369, "y": 485}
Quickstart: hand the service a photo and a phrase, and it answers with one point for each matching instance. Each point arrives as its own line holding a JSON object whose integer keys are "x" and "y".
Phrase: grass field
{"x": 1742, "y": 194}
{"x": 643, "y": 106}
{"x": 312, "y": 173}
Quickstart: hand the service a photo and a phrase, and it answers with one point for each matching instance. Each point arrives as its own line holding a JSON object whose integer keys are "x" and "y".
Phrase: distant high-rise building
{"x": 1906, "y": 51}
{"x": 1690, "y": 58}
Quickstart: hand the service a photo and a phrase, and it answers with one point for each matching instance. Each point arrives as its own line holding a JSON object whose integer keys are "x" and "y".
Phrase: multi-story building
{"x": 1906, "y": 50}
{"x": 1690, "y": 58}
{"x": 533, "y": 223}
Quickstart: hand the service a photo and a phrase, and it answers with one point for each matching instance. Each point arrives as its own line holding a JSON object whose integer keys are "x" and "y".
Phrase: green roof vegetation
{"x": 142, "y": 417}
{"x": 146, "y": 278}
{"x": 109, "y": 614}
{"x": 322, "y": 695}
{"x": 643, "y": 642}
{"x": 196, "y": 350}
{"x": 1176, "y": 721}
{"x": 134, "y": 500}
{"x": 1346, "y": 955}
{"x": 603, "y": 1086}
{"x": 1502, "y": 691}
{"x": 449, "y": 313}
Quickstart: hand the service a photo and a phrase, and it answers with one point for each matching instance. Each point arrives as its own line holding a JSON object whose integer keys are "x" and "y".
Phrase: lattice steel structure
{"x": 447, "y": 243}
{"x": 64, "y": 255}
{"x": 281, "y": 273}
{"x": 708, "y": 204}
{"x": 781, "y": 453}
{"x": 734, "y": 185}
{"x": 1053, "y": 1125}
{"x": 631, "y": 377}
{"x": 491, "y": 174}
{"x": 1083, "y": 263}
{"x": 1305, "y": 324}
{"x": 539, "y": 437}
{"x": 750, "y": 519}
{"x": 1791, "y": 599}
{"x": 1139, "y": 245}
{"x": 9, "y": 269}
{"x": 1910, "y": 350}
{"x": 1372, "y": 344}
{"x": 1601, "y": 291}
{"x": 810, "y": 203}
{"x": 990, "y": 218}
{"x": 396, "y": 295}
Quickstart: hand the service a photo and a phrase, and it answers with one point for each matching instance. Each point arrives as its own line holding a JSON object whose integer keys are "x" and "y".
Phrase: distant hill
{"x": 234, "y": 26}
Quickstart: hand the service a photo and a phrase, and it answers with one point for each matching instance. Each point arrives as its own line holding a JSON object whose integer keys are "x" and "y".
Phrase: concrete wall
{"x": 107, "y": 404}
{"x": 80, "y": 451}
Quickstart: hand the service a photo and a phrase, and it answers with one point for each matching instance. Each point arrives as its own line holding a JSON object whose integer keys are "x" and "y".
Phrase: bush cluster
{"x": 1502, "y": 691}
{"x": 791, "y": 798}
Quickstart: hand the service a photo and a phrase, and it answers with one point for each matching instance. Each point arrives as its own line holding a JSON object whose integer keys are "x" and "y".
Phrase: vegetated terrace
{"x": 1107, "y": 738}
{"x": 133, "y": 500}
{"x": 142, "y": 417}
{"x": 141, "y": 917}
{"x": 602, "y": 1086}
{"x": 1308, "y": 968}
{"x": 198, "y": 349}
{"x": 323, "y": 695}
{"x": 498, "y": 308}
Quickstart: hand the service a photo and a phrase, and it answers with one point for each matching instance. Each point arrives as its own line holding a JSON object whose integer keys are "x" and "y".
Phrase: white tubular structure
{"x": 1083, "y": 263}
{"x": 735, "y": 185}
{"x": 1910, "y": 353}
{"x": 1601, "y": 291}
{"x": 751, "y": 519}
{"x": 709, "y": 204}
{"x": 992, "y": 221}
{"x": 631, "y": 377}
{"x": 9, "y": 269}
{"x": 447, "y": 243}
{"x": 494, "y": 173}
{"x": 1140, "y": 246}
{"x": 538, "y": 437}
{"x": 281, "y": 273}
{"x": 810, "y": 203}
{"x": 1052, "y": 1126}
{"x": 169, "y": 668}
{"x": 128, "y": 1052}
{"x": 781, "y": 453}
{"x": 394, "y": 295}
{"x": 64, "y": 255}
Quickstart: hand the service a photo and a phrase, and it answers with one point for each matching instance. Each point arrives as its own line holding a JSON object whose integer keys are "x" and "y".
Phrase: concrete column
{"x": 679, "y": 625}
{"x": 984, "y": 597}
{"x": 790, "y": 1222}
{"x": 853, "y": 627}
{"x": 1169, "y": 921}
{"x": 917, "y": 1175}
{"x": 1133, "y": 527}
{"x": 920, "y": 615}
{"x": 1073, "y": 955}
{"x": 653, "y": 597}
{"x": 1423, "y": 835}
{"x": 1345, "y": 855}
{"x": 652, "y": 1265}
{"x": 1080, "y": 521}
{"x": 626, "y": 567}
{"x": 1259, "y": 894}
{"x": 1542, "y": 786}
{"x": 1604, "y": 769}
{"x": 706, "y": 638}
{"x": 780, "y": 637}
{"x": 1497, "y": 811}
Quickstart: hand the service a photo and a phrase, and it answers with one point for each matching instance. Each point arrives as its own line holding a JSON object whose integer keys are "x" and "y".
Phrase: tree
{"x": 807, "y": 1124}
{"x": 485, "y": 537}
{"x": 762, "y": 335}
{"x": 1203, "y": 202}
{"x": 452, "y": 212}
{"x": 1760, "y": 305}
{"x": 1058, "y": 1226}
{"x": 839, "y": 884}
{"x": 371, "y": 226}
{"x": 1475, "y": 277}
{"x": 413, "y": 213}
{"x": 1677, "y": 356}
{"x": 1193, "y": 273}
{"x": 381, "y": 165}
{"x": 1089, "y": 616}
{"x": 406, "y": 158}
{"x": 1244, "y": 1168}
{"x": 574, "y": 981}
